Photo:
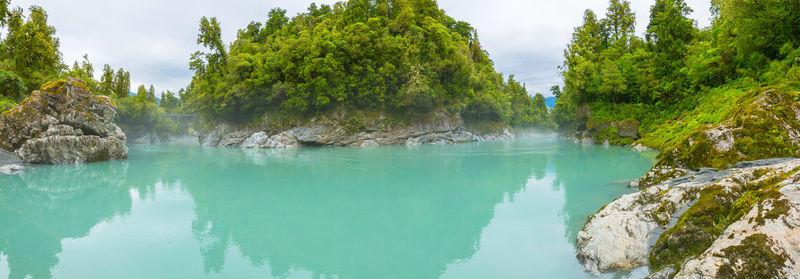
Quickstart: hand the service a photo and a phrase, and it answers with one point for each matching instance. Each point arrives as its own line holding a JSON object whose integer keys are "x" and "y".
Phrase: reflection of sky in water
{"x": 491, "y": 210}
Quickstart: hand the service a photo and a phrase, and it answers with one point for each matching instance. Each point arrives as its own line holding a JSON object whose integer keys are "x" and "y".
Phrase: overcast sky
{"x": 153, "y": 39}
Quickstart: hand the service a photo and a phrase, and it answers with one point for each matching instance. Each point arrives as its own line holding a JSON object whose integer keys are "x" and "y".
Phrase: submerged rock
{"x": 347, "y": 128}
{"x": 11, "y": 169}
{"x": 63, "y": 123}
{"x": 740, "y": 222}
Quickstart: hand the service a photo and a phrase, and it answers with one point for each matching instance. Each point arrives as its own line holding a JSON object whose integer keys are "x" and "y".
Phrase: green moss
{"x": 54, "y": 86}
{"x": 759, "y": 119}
{"x": 711, "y": 215}
{"x": 695, "y": 230}
{"x": 101, "y": 156}
{"x": 610, "y": 134}
{"x": 753, "y": 258}
{"x": 758, "y": 122}
{"x": 6, "y": 104}
{"x": 780, "y": 208}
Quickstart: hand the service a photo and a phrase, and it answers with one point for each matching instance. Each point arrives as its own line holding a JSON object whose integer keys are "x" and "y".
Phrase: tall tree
{"x": 4, "y": 12}
{"x": 32, "y": 47}
{"x": 581, "y": 57}
{"x": 107, "y": 81}
{"x": 85, "y": 71}
{"x": 210, "y": 36}
{"x": 556, "y": 91}
{"x": 275, "y": 21}
{"x": 620, "y": 22}
{"x": 122, "y": 83}
{"x": 669, "y": 34}
{"x": 141, "y": 93}
{"x": 151, "y": 94}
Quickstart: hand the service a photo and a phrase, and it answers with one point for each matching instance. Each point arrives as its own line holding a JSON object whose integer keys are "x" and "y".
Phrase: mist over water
{"x": 477, "y": 210}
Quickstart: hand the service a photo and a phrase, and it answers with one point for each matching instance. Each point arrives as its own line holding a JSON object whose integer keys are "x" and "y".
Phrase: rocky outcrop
{"x": 740, "y": 222}
{"x": 63, "y": 123}
{"x": 346, "y": 128}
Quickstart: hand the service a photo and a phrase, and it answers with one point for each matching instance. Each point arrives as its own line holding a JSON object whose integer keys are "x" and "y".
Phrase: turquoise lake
{"x": 476, "y": 210}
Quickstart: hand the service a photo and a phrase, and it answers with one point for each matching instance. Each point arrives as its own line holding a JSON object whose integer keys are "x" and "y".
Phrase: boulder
{"x": 63, "y": 123}
{"x": 742, "y": 222}
{"x": 615, "y": 132}
{"x": 628, "y": 128}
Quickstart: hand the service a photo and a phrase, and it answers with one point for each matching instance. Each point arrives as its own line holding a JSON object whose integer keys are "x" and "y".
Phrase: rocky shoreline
{"x": 739, "y": 220}
{"x": 694, "y": 223}
{"x": 342, "y": 128}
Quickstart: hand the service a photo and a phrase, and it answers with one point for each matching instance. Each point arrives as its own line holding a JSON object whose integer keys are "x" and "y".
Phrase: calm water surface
{"x": 479, "y": 210}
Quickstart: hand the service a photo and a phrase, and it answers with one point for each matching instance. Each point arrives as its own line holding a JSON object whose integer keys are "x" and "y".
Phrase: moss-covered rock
{"x": 754, "y": 258}
{"x": 693, "y": 219}
{"x": 761, "y": 244}
{"x": 63, "y": 123}
{"x": 717, "y": 207}
{"x": 761, "y": 125}
{"x": 623, "y": 132}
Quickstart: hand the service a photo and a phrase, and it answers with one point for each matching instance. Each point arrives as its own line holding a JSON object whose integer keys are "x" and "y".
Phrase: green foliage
{"x": 4, "y": 12}
{"x": 619, "y": 24}
{"x": 755, "y": 31}
{"x": 679, "y": 80}
{"x": 395, "y": 56}
{"x": 579, "y": 68}
{"x": 84, "y": 71}
{"x": 606, "y": 62}
{"x": 137, "y": 116}
{"x": 106, "y": 86}
{"x": 170, "y": 103}
{"x": 669, "y": 34}
{"x": 6, "y": 104}
{"x": 30, "y": 49}
{"x": 11, "y": 87}
{"x": 141, "y": 93}
{"x": 122, "y": 84}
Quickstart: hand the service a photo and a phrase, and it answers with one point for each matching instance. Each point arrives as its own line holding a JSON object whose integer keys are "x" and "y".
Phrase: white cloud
{"x": 154, "y": 38}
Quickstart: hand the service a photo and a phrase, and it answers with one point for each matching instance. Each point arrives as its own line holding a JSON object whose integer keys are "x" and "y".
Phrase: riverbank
{"x": 700, "y": 212}
{"x": 353, "y": 128}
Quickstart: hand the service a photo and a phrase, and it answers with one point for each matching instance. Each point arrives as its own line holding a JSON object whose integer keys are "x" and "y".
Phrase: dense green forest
{"x": 677, "y": 77}
{"x": 397, "y": 56}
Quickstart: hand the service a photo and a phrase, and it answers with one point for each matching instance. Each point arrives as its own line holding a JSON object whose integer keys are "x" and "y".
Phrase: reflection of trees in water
{"x": 311, "y": 211}
{"x": 329, "y": 211}
{"x": 609, "y": 167}
{"x": 47, "y": 204}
